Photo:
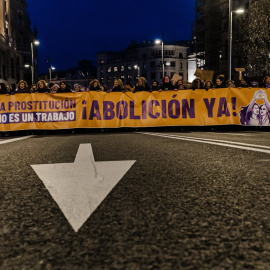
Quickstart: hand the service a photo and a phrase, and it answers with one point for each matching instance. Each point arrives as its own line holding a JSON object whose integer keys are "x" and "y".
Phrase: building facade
{"x": 15, "y": 42}
{"x": 210, "y": 42}
{"x": 143, "y": 60}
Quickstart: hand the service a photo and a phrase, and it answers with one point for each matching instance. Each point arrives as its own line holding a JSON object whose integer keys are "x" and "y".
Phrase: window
{"x": 115, "y": 69}
{"x": 122, "y": 68}
{"x": 153, "y": 75}
{"x": 181, "y": 65}
{"x": 129, "y": 76}
{"x": 122, "y": 77}
{"x": 144, "y": 66}
{"x": 101, "y": 71}
{"x": 101, "y": 61}
{"x": 180, "y": 55}
{"x": 153, "y": 64}
{"x": 172, "y": 64}
{"x": 129, "y": 67}
{"x": 109, "y": 69}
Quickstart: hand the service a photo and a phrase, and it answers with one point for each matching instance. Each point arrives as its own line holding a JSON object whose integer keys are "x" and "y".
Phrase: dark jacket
{"x": 167, "y": 86}
{"x": 141, "y": 88}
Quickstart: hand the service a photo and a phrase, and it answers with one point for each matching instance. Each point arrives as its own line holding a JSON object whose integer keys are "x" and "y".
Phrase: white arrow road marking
{"x": 78, "y": 188}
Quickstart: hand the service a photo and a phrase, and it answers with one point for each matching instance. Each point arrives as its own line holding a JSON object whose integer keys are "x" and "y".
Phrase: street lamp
{"x": 36, "y": 43}
{"x": 50, "y": 72}
{"x": 137, "y": 67}
{"x": 238, "y": 11}
{"x": 158, "y": 41}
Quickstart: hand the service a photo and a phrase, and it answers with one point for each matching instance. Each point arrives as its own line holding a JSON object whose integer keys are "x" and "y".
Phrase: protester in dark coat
{"x": 64, "y": 87}
{"x": 242, "y": 83}
{"x": 220, "y": 82}
{"x": 208, "y": 85}
{"x": 142, "y": 85}
{"x": 22, "y": 88}
{"x": 42, "y": 87}
{"x": 95, "y": 86}
{"x": 166, "y": 84}
{"x": 197, "y": 84}
{"x": 3, "y": 89}
{"x": 179, "y": 85}
{"x": 266, "y": 82}
{"x": 118, "y": 86}
{"x": 154, "y": 86}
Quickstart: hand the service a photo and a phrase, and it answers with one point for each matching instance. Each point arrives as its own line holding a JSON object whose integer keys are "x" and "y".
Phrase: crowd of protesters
{"x": 120, "y": 86}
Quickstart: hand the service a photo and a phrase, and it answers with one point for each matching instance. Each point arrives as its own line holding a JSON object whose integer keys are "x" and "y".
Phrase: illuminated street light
{"x": 36, "y": 43}
{"x": 238, "y": 11}
{"x": 158, "y": 41}
{"x": 50, "y": 72}
{"x": 137, "y": 67}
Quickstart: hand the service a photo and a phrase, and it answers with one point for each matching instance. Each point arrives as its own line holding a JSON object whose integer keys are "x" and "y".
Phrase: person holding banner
{"x": 166, "y": 84}
{"x": 129, "y": 87}
{"x": 42, "y": 87}
{"x": 54, "y": 88}
{"x": 208, "y": 85}
{"x": 266, "y": 82}
{"x": 142, "y": 85}
{"x": 220, "y": 82}
{"x": 22, "y": 88}
{"x": 154, "y": 86}
{"x": 3, "y": 89}
{"x": 94, "y": 85}
{"x": 118, "y": 86}
{"x": 179, "y": 85}
{"x": 64, "y": 88}
{"x": 197, "y": 84}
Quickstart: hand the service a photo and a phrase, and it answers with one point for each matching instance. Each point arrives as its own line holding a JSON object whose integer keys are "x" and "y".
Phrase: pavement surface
{"x": 192, "y": 200}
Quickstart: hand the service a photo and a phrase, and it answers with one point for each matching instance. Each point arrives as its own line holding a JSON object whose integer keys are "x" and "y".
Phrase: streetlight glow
{"x": 27, "y": 65}
{"x": 158, "y": 41}
{"x": 36, "y": 42}
{"x": 239, "y": 11}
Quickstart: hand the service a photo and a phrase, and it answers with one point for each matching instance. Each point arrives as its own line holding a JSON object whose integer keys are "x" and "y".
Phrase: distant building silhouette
{"x": 15, "y": 41}
{"x": 148, "y": 56}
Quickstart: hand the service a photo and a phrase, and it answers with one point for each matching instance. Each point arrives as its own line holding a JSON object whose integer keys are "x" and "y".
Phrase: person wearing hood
{"x": 142, "y": 85}
{"x": 42, "y": 87}
{"x": 154, "y": 86}
{"x": 166, "y": 84}
{"x": 22, "y": 88}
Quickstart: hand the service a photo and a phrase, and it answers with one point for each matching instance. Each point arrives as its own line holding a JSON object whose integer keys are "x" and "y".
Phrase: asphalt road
{"x": 192, "y": 200}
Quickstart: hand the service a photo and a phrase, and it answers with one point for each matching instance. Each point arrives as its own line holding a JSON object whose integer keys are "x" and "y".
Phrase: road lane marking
{"x": 16, "y": 139}
{"x": 78, "y": 188}
{"x": 234, "y": 134}
{"x": 238, "y": 145}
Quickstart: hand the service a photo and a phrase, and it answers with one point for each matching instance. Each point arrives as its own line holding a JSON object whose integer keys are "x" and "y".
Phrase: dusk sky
{"x": 73, "y": 30}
